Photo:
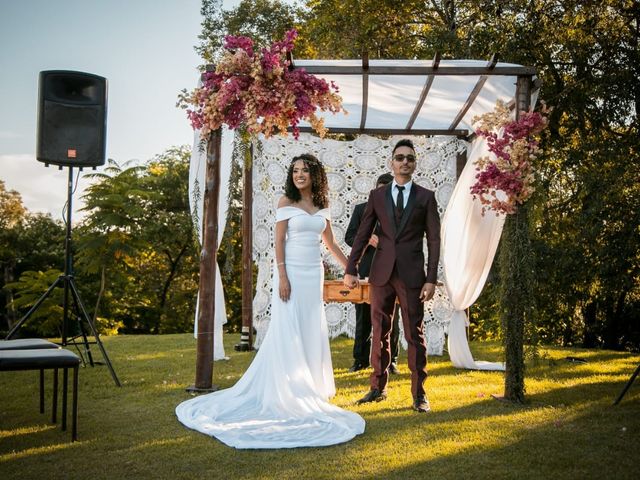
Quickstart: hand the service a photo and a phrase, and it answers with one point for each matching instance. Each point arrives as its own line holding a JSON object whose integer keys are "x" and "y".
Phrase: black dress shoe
{"x": 393, "y": 368}
{"x": 374, "y": 395}
{"x": 421, "y": 404}
{"x": 357, "y": 367}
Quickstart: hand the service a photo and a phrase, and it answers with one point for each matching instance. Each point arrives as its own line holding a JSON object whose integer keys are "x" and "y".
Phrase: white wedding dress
{"x": 282, "y": 399}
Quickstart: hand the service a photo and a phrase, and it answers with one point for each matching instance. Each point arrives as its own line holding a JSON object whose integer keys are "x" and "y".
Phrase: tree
{"x": 137, "y": 245}
{"x": 347, "y": 28}
{"x": 263, "y": 20}
{"x": 169, "y": 232}
{"x": 12, "y": 213}
{"x": 29, "y": 242}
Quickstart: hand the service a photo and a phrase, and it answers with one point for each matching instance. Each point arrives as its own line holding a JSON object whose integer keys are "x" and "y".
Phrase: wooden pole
{"x": 461, "y": 162}
{"x": 246, "y": 342}
{"x": 516, "y": 276}
{"x": 208, "y": 259}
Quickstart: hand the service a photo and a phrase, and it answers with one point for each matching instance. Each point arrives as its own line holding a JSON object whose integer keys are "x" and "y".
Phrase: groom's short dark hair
{"x": 405, "y": 142}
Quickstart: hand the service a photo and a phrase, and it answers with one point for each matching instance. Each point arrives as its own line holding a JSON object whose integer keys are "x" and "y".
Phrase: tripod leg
{"x": 34, "y": 308}
{"x": 627, "y": 386}
{"x": 94, "y": 331}
{"x": 83, "y": 332}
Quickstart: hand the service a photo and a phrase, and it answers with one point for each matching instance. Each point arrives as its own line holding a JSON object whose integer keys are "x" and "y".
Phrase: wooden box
{"x": 335, "y": 291}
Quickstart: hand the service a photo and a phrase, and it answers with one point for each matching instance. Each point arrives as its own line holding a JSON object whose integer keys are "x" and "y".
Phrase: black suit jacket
{"x": 365, "y": 262}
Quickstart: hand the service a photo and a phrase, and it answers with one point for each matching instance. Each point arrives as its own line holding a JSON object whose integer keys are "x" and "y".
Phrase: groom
{"x": 405, "y": 212}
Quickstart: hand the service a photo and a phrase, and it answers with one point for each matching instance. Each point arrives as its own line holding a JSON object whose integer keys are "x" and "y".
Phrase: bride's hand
{"x": 285, "y": 288}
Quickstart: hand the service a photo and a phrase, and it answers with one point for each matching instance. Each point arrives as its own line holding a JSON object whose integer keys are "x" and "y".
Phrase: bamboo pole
{"x": 208, "y": 259}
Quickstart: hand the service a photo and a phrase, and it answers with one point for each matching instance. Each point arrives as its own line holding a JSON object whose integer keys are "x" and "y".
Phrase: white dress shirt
{"x": 405, "y": 193}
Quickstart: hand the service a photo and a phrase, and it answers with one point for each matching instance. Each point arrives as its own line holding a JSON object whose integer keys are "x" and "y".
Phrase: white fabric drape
{"x": 469, "y": 243}
{"x": 197, "y": 178}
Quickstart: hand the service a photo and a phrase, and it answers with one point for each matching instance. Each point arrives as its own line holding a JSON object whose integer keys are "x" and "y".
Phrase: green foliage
{"x": 586, "y": 234}
{"x": 46, "y": 321}
{"x": 484, "y": 315}
{"x": 347, "y": 28}
{"x": 12, "y": 211}
{"x": 28, "y": 242}
{"x": 262, "y": 20}
{"x": 136, "y": 246}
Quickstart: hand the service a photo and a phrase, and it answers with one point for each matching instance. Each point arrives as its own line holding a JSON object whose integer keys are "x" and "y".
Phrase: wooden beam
{"x": 365, "y": 88}
{"x": 289, "y": 56}
{"x": 508, "y": 70}
{"x": 523, "y": 95}
{"x": 424, "y": 93}
{"x": 461, "y": 161}
{"x": 493, "y": 61}
{"x": 470, "y": 99}
{"x": 474, "y": 93}
{"x": 537, "y": 84}
{"x": 461, "y": 133}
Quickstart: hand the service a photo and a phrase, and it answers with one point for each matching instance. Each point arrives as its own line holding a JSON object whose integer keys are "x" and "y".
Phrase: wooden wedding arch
{"x": 383, "y": 97}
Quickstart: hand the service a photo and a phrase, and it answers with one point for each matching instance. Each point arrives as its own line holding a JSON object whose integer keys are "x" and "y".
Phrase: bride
{"x": 282, "y": 399}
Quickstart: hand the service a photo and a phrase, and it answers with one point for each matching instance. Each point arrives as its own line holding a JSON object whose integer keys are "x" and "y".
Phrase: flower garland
{"x": 259, "y": 91}
{"x": 508, "y": 180}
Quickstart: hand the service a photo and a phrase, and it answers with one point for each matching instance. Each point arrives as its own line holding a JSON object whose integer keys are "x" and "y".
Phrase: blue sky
{"x": 143, "y": 47}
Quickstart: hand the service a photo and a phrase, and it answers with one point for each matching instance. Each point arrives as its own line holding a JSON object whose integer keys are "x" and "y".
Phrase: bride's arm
{"x": 330, "y": 242}
{"x": 280, "y": 237}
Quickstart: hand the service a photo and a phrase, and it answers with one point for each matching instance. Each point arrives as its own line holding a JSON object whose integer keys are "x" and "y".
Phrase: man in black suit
{"x": 362, "y": 341}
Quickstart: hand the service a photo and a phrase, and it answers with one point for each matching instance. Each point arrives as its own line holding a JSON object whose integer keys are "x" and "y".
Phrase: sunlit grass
{"x": 567, "y": 429}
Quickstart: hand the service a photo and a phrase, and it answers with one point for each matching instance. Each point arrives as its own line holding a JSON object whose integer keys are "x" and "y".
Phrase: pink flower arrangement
{"x": 259, "y": 91}
{"x": 507, "y": 180}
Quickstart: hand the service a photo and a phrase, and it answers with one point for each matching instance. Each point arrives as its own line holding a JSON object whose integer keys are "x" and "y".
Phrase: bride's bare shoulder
{"x": 283, "y": 201}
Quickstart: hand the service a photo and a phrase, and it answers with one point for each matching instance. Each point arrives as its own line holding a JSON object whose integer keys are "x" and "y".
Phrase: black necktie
{"x": 399, "y": 203}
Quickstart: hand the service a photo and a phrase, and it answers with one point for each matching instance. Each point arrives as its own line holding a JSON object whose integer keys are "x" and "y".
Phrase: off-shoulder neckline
{"x": 303, "y": 210}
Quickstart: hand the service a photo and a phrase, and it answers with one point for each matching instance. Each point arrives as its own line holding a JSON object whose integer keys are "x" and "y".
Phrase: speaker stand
{"x": 627, "y": 386}
{"x": 67, "y": 281}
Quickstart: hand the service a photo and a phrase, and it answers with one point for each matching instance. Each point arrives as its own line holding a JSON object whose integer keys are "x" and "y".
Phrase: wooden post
{"x": 208, "y": 259}
{"x": 247, "y": 250}
{"x": 461, "y": 162}
{"x": 516, "y": 276}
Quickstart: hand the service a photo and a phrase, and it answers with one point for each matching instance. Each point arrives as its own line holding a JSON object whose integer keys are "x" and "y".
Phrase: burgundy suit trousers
{"x": 382, "y": 306}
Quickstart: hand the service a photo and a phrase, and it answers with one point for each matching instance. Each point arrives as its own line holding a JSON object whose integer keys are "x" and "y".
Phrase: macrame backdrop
{"x": 352, "y": 169}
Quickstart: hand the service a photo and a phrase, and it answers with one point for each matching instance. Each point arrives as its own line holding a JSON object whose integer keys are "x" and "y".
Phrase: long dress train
{"x": 281, "y": 400}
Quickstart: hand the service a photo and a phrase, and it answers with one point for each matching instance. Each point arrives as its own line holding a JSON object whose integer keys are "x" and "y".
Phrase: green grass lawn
{"x": 567, "y": 429}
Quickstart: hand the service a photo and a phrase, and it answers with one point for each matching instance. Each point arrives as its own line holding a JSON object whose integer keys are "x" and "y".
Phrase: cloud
{"x": 43, "y": 189}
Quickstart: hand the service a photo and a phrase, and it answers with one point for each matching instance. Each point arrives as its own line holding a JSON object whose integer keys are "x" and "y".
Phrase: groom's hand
{"x": 350, "y": 281}
{"x": 427, "y": 292}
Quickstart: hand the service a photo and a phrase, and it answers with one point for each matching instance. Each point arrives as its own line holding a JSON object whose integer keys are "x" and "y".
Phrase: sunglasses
{"x": 401, "y": 158}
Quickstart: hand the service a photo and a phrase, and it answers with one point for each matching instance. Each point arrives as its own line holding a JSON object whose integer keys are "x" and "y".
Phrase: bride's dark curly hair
{"x": 319, "y": 184}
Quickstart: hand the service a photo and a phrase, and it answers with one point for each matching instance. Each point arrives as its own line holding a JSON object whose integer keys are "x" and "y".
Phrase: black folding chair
{"x": 46, "y": 358}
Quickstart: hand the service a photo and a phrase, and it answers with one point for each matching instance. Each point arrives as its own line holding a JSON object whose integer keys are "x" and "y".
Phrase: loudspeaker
{"x": 72, "y": 118}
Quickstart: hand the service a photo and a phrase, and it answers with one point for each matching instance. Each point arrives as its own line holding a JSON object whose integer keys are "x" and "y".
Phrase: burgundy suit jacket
{"x": 401, "y": 246}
